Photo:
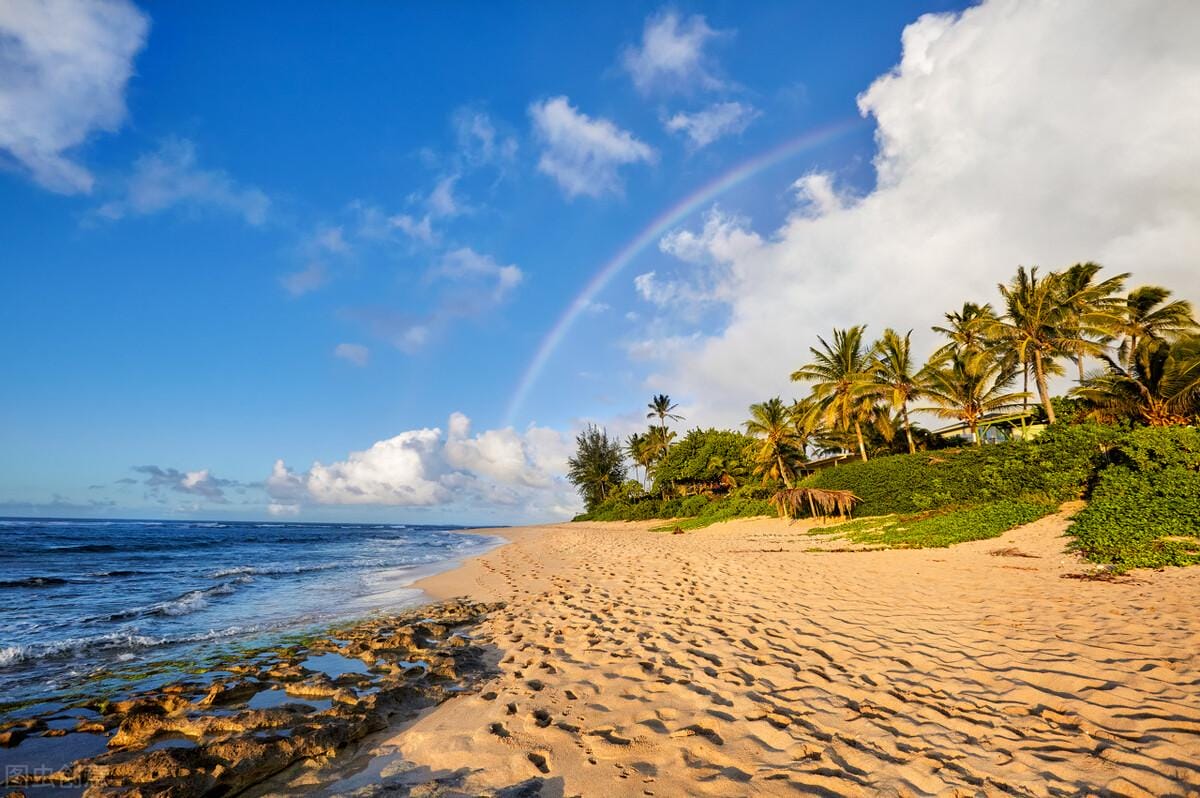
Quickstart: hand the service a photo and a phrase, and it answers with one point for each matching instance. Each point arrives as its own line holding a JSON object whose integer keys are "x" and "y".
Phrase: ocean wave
{"x": 271, "y": 570}
{"x": 34, "y": 581}
{"x": 113, "y": 642}
{"x": 183, "y": 604}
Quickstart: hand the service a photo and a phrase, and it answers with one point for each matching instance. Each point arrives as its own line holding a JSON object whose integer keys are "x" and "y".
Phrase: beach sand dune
{"x": 736, "y": 660}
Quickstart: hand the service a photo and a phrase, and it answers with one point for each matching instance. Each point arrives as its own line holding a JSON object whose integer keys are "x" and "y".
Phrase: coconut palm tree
{"x": 660, "y": 407}
{"x": 842, "y": 381}
{"x": 657, "y": 441}
{"x": 779, "y": 449}
{"x": 897, "y": 377}
{"x": 638, "y": 453}
{"x": 968, "y": 328}
{"x": 808, "y": 422}
{"x": 1161, "y": 386}
{"x": 1093, "y": 311}
{"x": 1035, "y": 326}
{"x": 969, "y": 385}
{"x": 1148, "y": 316}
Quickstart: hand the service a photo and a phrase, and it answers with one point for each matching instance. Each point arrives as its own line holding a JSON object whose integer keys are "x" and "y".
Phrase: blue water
{"x": 84, "y": 602}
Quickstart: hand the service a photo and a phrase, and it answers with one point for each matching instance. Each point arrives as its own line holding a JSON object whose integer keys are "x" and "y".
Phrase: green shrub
{"x": 1055, "y": 466}
{"x": 704, "y": 457}
{"x": 941, "y": 529}
{"x": 1145, "y": 510}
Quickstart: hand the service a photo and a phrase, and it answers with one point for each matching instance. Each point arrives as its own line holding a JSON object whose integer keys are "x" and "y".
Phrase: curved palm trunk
{"x": 975, "y": 434}
{"x": 787, "y": 483}
{"x": 1039, "y": 376}
{"x": 1079, "y": 362}
{"x": 912, "y": 448}
{"x": 862, "y": 447}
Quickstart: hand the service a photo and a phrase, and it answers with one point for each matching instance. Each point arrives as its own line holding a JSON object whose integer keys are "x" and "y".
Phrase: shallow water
{"x": 86, "y": 605}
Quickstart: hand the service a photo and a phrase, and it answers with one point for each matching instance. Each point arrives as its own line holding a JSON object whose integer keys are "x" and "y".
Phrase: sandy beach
{"x": 752, "y": 658}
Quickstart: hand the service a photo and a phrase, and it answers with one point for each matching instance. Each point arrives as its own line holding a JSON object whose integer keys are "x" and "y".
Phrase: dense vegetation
{"x": 1123, "y": 438}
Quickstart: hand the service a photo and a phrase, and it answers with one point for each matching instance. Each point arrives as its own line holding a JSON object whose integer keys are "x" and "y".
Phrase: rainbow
{"x": 657, "y": 227}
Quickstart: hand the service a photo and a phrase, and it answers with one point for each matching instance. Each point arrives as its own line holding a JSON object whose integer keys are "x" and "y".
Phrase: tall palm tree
{"x": 1161, "y": 387}
{"x": 660, "y": 407}
{"x": 657, "y": 442}
{"x": 638, "y": 452}
{"x": 842, "y": 382}
{"x": 969, "y": 385}
{"x": 968, "y": 328}
{"x": 1148, "y": 316}
{"x": 779, "y": 449}
{"x": 808, "y": 422}
{"x": 1093, "y": 311}
{"x": 1035, "y": 326}
{"x": 897, "y": 376}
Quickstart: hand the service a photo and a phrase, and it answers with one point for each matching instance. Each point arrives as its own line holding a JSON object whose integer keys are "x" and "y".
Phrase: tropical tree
{"x": 657, "y": 441}
{"x": 1092, "y": 311}
{"x": 1035, "y": 326}
{"x": 639, "y": 454}
{"x": 968, "y": 386}
{"x": 897, "y": 376}
{"x": 1161, "y": 387}
{"x": 778, "y": 450}
{"x": 1148, "y": 316}
{"x": 967, "y": 329}
{"x": 809, "y": 423}
{"x": 842, "y": 380}
{"x": 660, "y": 407}
{"x": 598, "y": 465}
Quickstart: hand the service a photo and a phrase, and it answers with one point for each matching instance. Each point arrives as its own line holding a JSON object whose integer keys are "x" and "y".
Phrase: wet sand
{"x": 738, "y": 660}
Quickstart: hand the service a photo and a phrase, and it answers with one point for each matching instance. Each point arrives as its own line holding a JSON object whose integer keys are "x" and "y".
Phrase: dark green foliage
{"x": 704, "y": 457}
{"x": 942, "y": 529}
{"x": 598, "y": 466}
{"x": 1057, "y": 465}
{"x": 1145, "y": 510}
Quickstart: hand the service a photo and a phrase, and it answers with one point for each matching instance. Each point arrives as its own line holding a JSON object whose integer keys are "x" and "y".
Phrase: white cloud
{"x": 581, "y": 153}
{"x": 171, "y": 177}
{"x": 425, "y": 467}
{"x": 356, "y": 354}
{"x": 716, "y": 121}
{"x": 465, "y": 264}
{"x": 479, "y": 142}
{"x": 199, "y": 483}
{"x": 671, "y": 56}
{"x": 442, "y": 201}
{"x": 310, "y": 278}
{"x": 64, "y": 65}
{"x": 417, "y": 229}
{"x": 1014, "y": 133}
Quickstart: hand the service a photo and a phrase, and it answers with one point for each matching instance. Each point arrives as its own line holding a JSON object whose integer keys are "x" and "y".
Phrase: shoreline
{"x": 757, "y": 657}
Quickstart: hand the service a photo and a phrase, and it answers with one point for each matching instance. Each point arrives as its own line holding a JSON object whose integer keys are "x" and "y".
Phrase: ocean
{"x": 92, "y": 606}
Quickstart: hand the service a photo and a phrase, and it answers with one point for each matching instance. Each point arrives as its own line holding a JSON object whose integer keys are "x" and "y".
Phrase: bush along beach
{"x": 1123, "y": 438}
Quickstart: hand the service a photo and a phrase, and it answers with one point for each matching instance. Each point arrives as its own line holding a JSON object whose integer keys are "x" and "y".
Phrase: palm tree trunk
{"x": 787, "y": 483}
{"x": 912, "y": 448}
{"x": 1039, "y": 376}
{"x": 862, "y": 447}
{"x": 1079, "y": 362}
{"x": 975, "y": 434}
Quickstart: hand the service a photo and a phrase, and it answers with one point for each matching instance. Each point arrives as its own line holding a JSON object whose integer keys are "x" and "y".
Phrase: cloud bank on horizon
{"x": 1010, "y": 133}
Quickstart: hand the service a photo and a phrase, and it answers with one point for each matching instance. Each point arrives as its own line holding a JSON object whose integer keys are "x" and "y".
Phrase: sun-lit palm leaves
{"x": 967, "y": 329}
{"x": 842, "y": 381}
{"x": 897, "y": 376}
{"x": 968, "y": 386}
{"x": 780, "y": 449}
{"x": 1148, "y": 317}
{"x": 1161, "y": 387}
{"x": 1092, "y": 311}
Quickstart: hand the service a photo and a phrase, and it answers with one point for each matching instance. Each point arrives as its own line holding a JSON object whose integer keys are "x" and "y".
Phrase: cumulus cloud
{"x": 64, "y": 66}
{"x": 197, "y": 483}
{"x": 714, "y": 122}
{"x": 357, "y": 354}
{"x": 467, "y": 265}
{"x": 671, "y": 56}
{"x": 171, "y": 176}
{"x": 479, "y": 142}
{"x": 426, "y": 467}
{"x": 582, "y": 154}
{"x": 1080, "y": 148}
{"x": 310, "y": 278}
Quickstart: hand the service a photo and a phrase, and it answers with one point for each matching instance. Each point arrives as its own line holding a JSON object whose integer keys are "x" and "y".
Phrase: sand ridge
{"x": 737, "y": 661}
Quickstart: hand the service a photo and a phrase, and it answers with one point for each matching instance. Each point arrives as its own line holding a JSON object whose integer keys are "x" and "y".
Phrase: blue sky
{"x": 259, "y": 237}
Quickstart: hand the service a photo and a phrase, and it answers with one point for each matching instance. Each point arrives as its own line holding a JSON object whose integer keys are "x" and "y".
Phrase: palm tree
{"x": 969, "y": 385}
{"x": 1146, "y": 317}
{"x": 842, "y": 383}
{"x": 1092, "y": 311}
{"x": 896, "y": 375}
{"x": 779, "y": 450}
{"x": 638, "y": 452}
{"x": 657, "y": 441}
{"x": 660, "y": 408}
{"x": 598, "y": 465}
{"x": 808, "y": 422}
{"x": 968, "y": 328}
{"x": 1161, "y": 387}
{"x": 1035, "y": 326}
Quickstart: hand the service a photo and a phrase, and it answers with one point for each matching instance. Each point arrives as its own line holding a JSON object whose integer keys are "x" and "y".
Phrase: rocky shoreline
{"x": 251, "y": 719}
